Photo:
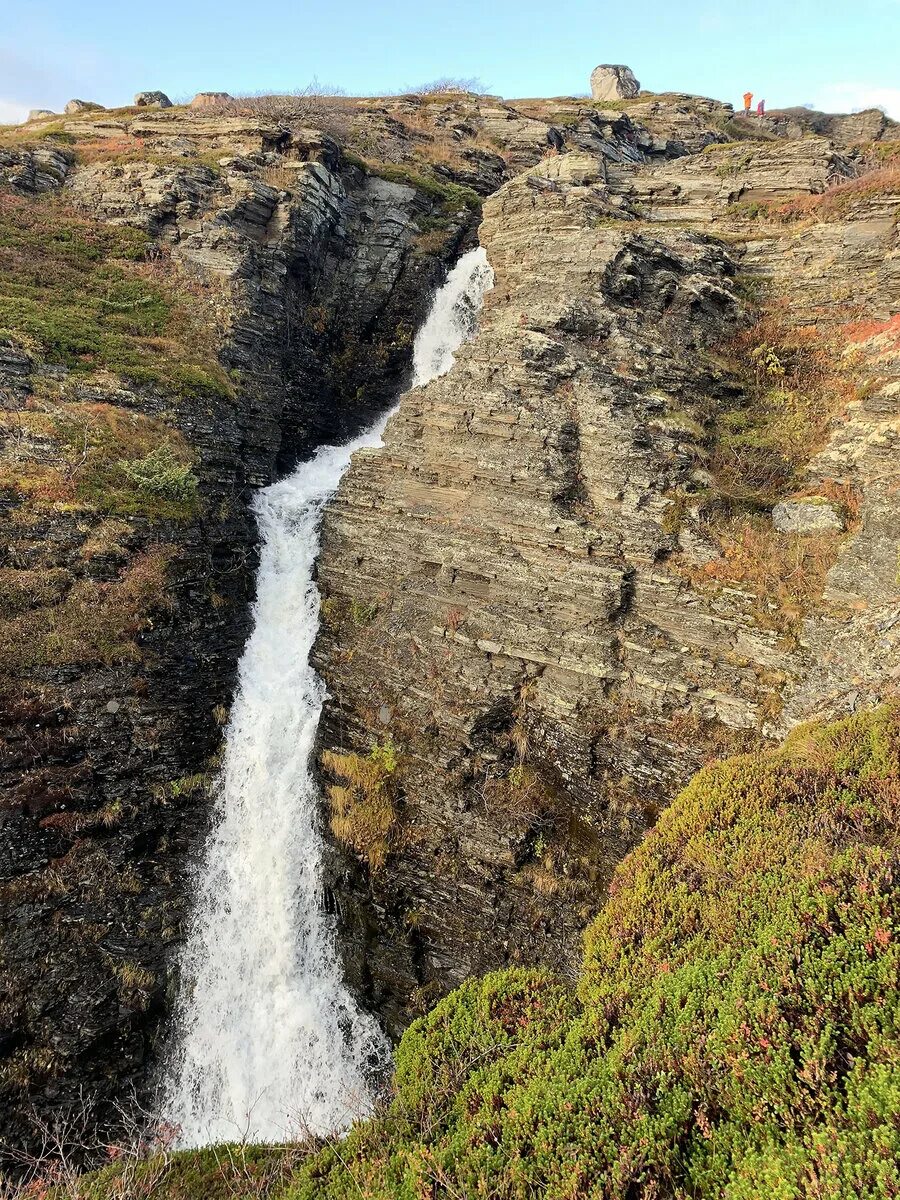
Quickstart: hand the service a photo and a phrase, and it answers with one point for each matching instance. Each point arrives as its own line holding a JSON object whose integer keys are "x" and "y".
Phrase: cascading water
{"x": 271, "y": 1043}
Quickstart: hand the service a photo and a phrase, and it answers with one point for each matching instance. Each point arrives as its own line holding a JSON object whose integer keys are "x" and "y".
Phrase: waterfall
{"x": 271, "y": 1044}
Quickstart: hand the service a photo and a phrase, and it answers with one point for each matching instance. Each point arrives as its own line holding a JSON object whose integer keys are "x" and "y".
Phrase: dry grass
{"x": 797, "y": 384}
{"x": 281, "y": 178}
{"x": 798, "y": 381}
{"x": 521, "y": 797}
{"x": 838, "y": 201}
{"x": 363, "y": 810}
{"x": 94, "y": 623}
{"x": 779, "y": 567}
{"x": 132, "y": 149}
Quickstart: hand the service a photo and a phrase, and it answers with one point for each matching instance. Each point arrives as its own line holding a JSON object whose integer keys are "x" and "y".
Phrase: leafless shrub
{"x": 67, "y": 1145}
{"x": 448, "y": 84}
{"x": 317, "y": 106}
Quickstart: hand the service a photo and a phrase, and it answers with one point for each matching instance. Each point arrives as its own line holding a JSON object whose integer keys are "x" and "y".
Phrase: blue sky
{"x": 835, "y": 55}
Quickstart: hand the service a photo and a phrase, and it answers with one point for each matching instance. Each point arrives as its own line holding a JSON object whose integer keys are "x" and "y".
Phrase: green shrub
{"x": 161, "y": 474}
{"x": 104, "y": 458}
{"x": 736, "y": 1031}
{"x": 57, "y": 135}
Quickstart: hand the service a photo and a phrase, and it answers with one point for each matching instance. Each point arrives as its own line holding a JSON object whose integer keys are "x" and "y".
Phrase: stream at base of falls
{"x": 270, "y": 1043}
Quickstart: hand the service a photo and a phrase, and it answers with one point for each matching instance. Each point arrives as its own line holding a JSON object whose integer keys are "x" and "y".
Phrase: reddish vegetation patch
{"x": 104, "y": 149}
{"x": 838, "y": 200}
{"x": 779, "y": 567}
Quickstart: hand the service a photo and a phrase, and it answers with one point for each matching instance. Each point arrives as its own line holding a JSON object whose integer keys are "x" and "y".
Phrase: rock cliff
{"x": 174, "y": 334}
{"x": 572, "y": 588}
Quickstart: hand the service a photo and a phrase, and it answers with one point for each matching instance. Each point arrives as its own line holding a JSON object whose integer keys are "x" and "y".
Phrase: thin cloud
{"x": 852, "y": 97}
{"x": 12, "y": 113}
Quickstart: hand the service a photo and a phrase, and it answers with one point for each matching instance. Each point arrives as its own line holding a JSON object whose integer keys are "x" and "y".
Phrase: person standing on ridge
{"x": 761, "y": 108}
{"x": 748, "y": 100}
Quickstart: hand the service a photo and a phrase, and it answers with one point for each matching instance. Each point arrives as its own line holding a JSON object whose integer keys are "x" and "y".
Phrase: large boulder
{"x": 612, "y": 81}
{"x": 210, "y": 99}
{"x": 80, "y": 106}
{"x": 38, "y": 114}
{"x": 152, "y": 100}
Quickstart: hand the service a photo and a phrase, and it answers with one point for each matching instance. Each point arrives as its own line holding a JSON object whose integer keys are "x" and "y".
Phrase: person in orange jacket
{"x": 748, "y": 100}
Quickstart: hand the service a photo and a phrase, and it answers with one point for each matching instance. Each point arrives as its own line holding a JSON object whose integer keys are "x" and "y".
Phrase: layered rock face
{"x": 526, "y": 593}
{"x": 309, "y": 272}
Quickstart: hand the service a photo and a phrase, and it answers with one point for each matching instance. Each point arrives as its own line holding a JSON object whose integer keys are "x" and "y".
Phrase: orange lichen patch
{"x": 863, "y": 331}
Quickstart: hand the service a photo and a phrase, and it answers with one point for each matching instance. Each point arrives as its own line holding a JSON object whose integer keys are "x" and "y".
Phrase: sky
{"x": 834, "y": 55}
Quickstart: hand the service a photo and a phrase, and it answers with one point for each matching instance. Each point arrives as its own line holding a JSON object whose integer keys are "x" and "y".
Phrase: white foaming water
{"x": 272, "y": 1044}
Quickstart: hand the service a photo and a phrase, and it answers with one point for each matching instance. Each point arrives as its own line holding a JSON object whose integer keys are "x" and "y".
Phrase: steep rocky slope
{"x": 553, "y": 596}
{"x": 650, "y": 515}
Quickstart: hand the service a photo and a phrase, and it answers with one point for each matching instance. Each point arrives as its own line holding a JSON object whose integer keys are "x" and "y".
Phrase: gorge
{"x": 273, "y": 1044}
{"x": 641, "y": 520}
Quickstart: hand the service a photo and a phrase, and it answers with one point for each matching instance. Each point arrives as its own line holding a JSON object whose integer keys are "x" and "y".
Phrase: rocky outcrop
{"x": 844, "y": 130}
{"x": 611, "y": 82}
{"x": 152, "y": 100}
{"x": 528, "y": 640}
{"x": 34, "y": 171}
{"x": 209, "y": 99}
{"x": 82, "y": 106}
{"x": 812, "y": 515}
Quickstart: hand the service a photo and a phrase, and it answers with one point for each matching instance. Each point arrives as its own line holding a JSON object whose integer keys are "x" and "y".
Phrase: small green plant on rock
{"x": 159, "y": 473}
{"x": 362, "y": 612}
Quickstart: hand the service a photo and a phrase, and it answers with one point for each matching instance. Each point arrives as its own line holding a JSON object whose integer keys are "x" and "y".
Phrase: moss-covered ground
{"x": 83, "y": 295}
{"x": 105, "y": 333}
